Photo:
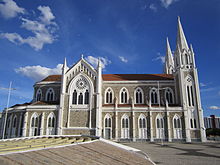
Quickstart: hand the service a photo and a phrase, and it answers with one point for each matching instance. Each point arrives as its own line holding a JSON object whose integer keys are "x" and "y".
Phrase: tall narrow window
{"x": 74, "y": 101}
{"x": 138, "y": 96}
{"x": 188, "y": 94}
{"x": 169, "y": 96}
{"x": 39, "y": 95}
{"x": 154, "y": 96}
{"x": 192, "y": 98}
{"x": 109, "y": 96}
{"x": 51, "y": 124}
{"x": 80, "y": 100}
{"x": 124, "y": 96}
{"x": 50, "y": 95}
{"x": 87, "y": 97}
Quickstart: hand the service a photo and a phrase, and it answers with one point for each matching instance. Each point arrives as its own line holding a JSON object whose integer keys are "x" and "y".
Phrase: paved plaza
{"x": 180, "y": 153}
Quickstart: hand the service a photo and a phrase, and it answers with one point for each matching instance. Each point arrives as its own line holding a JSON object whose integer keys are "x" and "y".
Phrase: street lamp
{"x": 6, "y": 111}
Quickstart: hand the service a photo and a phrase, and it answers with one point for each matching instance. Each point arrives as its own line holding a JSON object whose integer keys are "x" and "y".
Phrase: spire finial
{"x": 64, "y": 63}
{"x": 181, "y": 39}
{"x": 81, "y": 56}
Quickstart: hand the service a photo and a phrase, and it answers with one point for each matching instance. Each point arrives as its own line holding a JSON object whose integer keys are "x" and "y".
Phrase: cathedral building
{"x": 84, "y": 101}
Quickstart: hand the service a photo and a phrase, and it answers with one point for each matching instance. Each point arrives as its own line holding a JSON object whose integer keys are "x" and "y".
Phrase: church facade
{"x": 84, "y": 101}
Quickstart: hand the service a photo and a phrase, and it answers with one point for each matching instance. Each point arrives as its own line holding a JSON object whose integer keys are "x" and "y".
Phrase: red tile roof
{"x": 133, "y": 77}
{"x": 122, "y": 77}
{"x": 52, "y": 78}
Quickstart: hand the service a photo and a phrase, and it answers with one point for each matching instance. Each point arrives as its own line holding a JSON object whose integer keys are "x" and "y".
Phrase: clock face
{"x": 81, "y": 84}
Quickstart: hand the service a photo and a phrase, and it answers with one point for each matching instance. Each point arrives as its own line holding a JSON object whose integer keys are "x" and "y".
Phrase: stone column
{"x": 42, "y": 124}
{"x": 169, "y": 129}
{"x": 151, "y": 127}
{"x": 134, "y": 126}
{"x": 116, "y": 125}
{"x": 24, "y": 129}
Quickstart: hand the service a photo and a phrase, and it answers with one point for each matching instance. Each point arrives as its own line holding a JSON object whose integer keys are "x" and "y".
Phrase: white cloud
{"x": 123, "y": 59}
{"x": 94, "y": 61}
{"x": 160, "y": 58}
{"x": 47, "y": 15}
{"x": 153, "y": 7}
{"x": 214, "y": 107}
{"x": 39, "y": 72}
{"x": 43, "y": 29}
{"x": 167, "y": 3}
{"x": 10, "y": 9}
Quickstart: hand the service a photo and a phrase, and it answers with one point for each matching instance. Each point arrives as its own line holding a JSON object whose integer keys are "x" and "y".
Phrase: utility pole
{"x": 6, "y": 111}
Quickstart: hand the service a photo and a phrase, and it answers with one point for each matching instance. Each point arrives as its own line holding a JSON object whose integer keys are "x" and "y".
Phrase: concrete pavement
{"x": 180, "y": 153}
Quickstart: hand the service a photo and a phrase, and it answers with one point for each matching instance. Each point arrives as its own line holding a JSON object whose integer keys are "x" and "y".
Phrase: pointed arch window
{"x": 39, "y": 95}
{"x": 109, "y": 96}
{"x": 86, "y": 97}
{"x": 80, "y": 98}
{"x": 138, "y": 96}
{"x": 108, "y": 126}
{"x": 154, "y": 96}
{"x": 142, "y": 127}
{"x": 177, "y": 129}
{"x": 159, "y": 127}
{"x": 169, "y": 96}
{"x": 35, "y": 125}
{"x": 124, "y": 96}
{"x": 125, "y": 127}
{"x": 50, "y": 95}
{"x": 51, "y": 120}
{"x": 190, "y": 91}
{"x": 74, "y": 99}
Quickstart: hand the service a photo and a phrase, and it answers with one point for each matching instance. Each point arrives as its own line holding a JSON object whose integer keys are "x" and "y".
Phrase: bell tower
{"x": 187, "y": 84}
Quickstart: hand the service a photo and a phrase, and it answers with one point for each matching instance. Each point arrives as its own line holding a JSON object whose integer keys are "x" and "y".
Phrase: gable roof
{"x": 122, "y": 77}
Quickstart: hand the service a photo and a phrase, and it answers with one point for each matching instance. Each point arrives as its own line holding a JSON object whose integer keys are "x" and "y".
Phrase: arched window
{"x": 80, "y": 98}
{"x": 35, "y": 125}
{"x": 169, "y": 96}
{"x": 125, "y": 127}
{"x": 86, "y": 97}
{"x": 39, "y": 95}
{"x": 189, "y": 91}
{"x": 108, "y": 96}
{"x": 177, "y": 128}
{"x": 80, "y": 90}
{"x": 142, "y": 127}
{"x": 51, "y": 124}
{"x": 50, "y": 95}
{"x": 154, "y": 96}
{"x": 108, "y": 126}
{"x": 124, "y": 96}
{"x": 74, "y": 99}
{"x": 159, "y": 127}
{"x": 139, "y": 96}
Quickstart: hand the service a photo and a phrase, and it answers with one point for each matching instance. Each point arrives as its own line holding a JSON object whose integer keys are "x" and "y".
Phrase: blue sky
{"x": 129, "y": 36}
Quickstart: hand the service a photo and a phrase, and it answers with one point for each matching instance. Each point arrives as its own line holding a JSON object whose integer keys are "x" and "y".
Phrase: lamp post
{"x": 6, "y": 111}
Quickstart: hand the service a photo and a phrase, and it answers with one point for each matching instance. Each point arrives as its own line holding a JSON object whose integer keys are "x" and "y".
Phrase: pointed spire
{"x": 169, "y": 53}
{"x": 181, "y": 39}
{"x": 169, "y": 64}
{"x": 64, "y": 63}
